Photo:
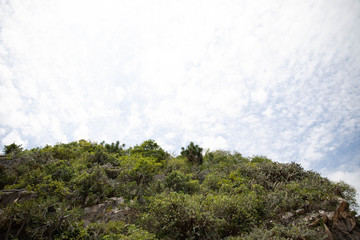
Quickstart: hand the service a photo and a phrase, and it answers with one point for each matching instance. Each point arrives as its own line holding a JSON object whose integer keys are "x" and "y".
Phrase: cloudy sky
{"x": 274, "y": 78}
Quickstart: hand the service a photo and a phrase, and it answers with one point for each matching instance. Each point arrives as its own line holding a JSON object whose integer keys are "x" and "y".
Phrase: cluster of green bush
{"x": 196, "y": 195}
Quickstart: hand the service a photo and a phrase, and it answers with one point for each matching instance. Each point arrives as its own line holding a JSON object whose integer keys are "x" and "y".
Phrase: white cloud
{"x": 260, "y": 96}
{"x": 214, "y": 142}
{"x": 82, "y": 132}
{"x": 2, "y": 131}
{"x": 12, "y": 137}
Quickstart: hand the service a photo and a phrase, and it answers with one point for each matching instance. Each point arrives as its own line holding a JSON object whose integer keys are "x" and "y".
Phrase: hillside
{"x": 87, "y": 190}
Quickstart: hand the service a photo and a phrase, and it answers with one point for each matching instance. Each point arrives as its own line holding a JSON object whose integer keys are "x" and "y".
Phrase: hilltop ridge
{"x": 88, "y": 190}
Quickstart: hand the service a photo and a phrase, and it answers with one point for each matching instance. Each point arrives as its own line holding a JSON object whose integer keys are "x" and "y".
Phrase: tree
{"x": 139, "y": 170}
{"x": 12, "y": 148}
{"x": 150, "y": 148}
{"x": 114, "y": 147}
{"x": 193, "y": 153}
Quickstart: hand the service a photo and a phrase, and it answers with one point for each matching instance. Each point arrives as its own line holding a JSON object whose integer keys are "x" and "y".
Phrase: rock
{"x": 17, "y": 195}
{"x": 287, "y": 217}
{"x": 94, "y": 212}
{"x": 342, "y": 225}
{"x": 111, "y": 209}
{"x": 117, "y": 200}
{"x": 311, "y": 218}
{"x": 300, "y": 211}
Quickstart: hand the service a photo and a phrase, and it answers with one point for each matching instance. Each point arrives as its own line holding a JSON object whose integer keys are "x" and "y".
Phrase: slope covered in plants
{"x": 87, "y": 190}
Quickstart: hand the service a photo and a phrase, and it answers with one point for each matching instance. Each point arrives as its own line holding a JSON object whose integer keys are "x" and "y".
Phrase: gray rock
{"x": 343, "y": 224}
{"x": 17, "y": 195}
{"x": 287, "y": 217}
{"x": 300, "y": 211}
{"x": 112, "y": 209}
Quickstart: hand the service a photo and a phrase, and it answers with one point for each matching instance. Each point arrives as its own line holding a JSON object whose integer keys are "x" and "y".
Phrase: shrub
{"x": 114, "y": 148}
{"x": 136, "y": 174}
{"x": 93, "y": 186}
{"x": 114, "y": 230}
{"x": 180, "y": 216}
{"x": 178, "y": 182}
{"x": 150, "y": 148}
{"x": 60, "y": 170}
{"x": 241, "y": 212}
{"x": 313, "y": 191}
{"x": 178, "y": 164}
{"x": 40, "y": 218}
{"x": 267, "y": 173}
{"x": 12, "y": 149}
{"x": 100, "y": 157}
{"x": 202, "y": 217}
{"x": 278, "y": 231}
{"x": 193, "y": 153}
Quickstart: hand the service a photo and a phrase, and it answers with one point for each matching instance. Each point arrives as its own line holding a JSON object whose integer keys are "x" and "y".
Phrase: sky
{"x": 273, "y": 78}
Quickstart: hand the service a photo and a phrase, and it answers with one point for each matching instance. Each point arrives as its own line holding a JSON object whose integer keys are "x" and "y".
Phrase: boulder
{"x": 300, "y": 211}
{"x": 287, "y": 217}
{"x": 338, "y": 225}
{"x": 111, "y": 209}
{"x": 343, "y": 224}
{"x": 17, "y": 195}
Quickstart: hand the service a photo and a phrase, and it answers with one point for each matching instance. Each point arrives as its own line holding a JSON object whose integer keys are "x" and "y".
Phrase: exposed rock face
{"x": 18, "y": 195}
{"x": 338, "y": 225}
{"x": 343, "y": 224}
{"x": 106, "y": 211}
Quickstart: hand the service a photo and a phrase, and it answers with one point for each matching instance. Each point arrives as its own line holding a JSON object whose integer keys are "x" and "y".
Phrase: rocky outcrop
{"x": 338, "y": 225}
{"x": 342, "y": 225}
{"x": 17, "y": 195}
{"x": 111, "y": 209}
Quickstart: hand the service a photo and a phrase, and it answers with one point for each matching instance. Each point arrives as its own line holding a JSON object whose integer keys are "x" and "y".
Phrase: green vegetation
{"x": 12, "y": 149}
{"x": 86, "y": 190}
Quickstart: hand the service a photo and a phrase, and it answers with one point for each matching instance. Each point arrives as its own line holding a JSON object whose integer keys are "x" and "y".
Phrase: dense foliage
{"x": 216, "y": 195}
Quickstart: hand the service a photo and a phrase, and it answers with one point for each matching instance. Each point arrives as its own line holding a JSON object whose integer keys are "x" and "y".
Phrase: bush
{"x": 268, "y": 174}
{"x": 180, "y": 216}
{"x": 12, "y": 149}
{"x": 114, "y": 148}
{"x": 220, "y": 159}
{"x": 178, "y": 182}
{"x": 100, "y": 157}
{"x": 60, "y": 170}
{"x": 278, "y": 231}
{"x": 40, "y": 218}
{"x": 114, "y": 230}
{"x": 313, "y": 191}
{"x": 241, "y": 212}
{"x": 193, "y": 153}
{"x": 93, "y": 186}
{"x": 179, "y": 163}
{"x": 136, "y": 174}
{"x": 151, "y": 149}
{"x": 202, "y": 217}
